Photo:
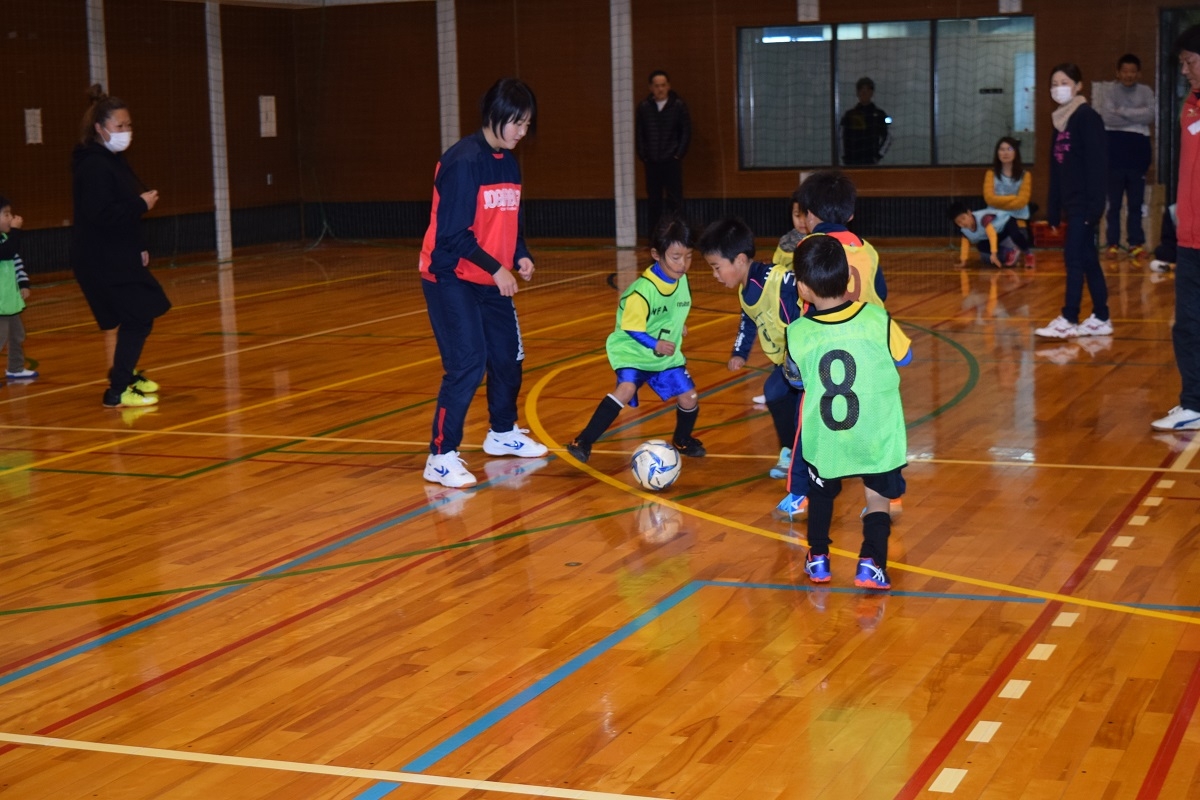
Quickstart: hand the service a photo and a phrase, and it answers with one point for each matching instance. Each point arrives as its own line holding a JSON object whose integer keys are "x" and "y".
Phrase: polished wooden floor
{"x": 250, "y": 592}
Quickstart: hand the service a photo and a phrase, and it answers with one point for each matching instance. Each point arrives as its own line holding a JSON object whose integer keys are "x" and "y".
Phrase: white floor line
{"x": 317, "y": 769}
{"x": 948, "y": 780}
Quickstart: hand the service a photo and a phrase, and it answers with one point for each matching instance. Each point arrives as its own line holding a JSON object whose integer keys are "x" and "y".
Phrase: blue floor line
{"x": 332, "y": 547}
{"x": 1158, "y": 607}
{"x": 437, "y": 753}
{"x": 440, "y": 751}
{"x": 168, "y": 614}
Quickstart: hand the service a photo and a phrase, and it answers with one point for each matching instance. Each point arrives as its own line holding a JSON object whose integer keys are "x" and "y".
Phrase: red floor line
{"x": 104, "y": 629}
{"x": 953, "y": 735}
{"x": 1168, "y": 748}
{"x": 6, "y": 668}
{"x": 134, "y": 690}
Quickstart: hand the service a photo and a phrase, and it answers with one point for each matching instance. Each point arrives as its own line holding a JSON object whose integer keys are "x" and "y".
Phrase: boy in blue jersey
{"x": 767, "y": 293}
{"x": 644, "y": 347}
{"x": 847, "y": 352}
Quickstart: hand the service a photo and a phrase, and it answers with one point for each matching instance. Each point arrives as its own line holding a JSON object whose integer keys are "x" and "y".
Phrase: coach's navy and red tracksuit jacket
{"x": 476, "y": 224}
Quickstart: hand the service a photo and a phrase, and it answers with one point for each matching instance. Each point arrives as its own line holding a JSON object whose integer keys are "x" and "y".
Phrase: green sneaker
{"x": 130, "y": 398}
{"x": 142, "y": 383}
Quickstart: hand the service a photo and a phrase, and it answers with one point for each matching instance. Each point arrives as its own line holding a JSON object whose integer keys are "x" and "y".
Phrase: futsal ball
{"x": 655, "y": 465}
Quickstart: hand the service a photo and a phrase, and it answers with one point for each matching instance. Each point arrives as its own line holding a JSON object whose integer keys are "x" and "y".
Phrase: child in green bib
{"x": 14, "y": 290}
{"x": 644, "y": 347}
{"x": 846, "y": 351}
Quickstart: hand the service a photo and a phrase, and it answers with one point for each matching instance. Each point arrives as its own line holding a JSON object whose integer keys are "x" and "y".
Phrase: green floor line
{"x": 366, "y": 561}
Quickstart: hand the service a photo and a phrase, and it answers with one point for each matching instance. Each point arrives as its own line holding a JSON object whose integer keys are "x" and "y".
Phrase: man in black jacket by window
{"x": 865, "y": 134}
{"x": 664, "y": 131}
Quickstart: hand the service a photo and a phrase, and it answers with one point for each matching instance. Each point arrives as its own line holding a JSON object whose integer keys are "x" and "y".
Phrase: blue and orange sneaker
{"x": 817, "y": 568}
{"x": 870, "y": 576}
{"x": 791, "y": 508}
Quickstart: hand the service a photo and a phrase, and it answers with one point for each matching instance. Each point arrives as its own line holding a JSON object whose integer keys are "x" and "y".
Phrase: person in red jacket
{"x": 1185, "y": 336}
{"x": 474, "y": 244}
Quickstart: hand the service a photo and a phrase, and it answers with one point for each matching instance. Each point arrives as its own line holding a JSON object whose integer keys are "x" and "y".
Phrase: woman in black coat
{"x": 1078, "y": 181}
{"x": 107, "y": 255}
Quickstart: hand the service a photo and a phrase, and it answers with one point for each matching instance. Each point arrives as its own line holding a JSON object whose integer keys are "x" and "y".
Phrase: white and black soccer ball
{"x": 655, "y": 465}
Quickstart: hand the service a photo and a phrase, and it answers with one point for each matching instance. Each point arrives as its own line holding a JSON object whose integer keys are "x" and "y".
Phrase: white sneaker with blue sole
{"x": 448, "y": 469}
{"x": 1178, "y": 419}
{"x": 513, "y": 443}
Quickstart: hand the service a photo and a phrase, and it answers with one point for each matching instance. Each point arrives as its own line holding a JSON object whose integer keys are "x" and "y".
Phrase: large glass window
{"x": 985, "y": 87}
{"x": 894, "y": 57}
{"x": 784, "y": 95}
{"x": 916, "y": 92}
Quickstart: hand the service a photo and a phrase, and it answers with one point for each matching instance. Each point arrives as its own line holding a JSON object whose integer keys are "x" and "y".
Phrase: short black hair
{"x": 671, "y": 230}
{"x": 798, "y": 200}
{"x": 1189, "y": 40}
{"x": 864, "y": 81}
{"x": 820, "y": 264}
{"x": 829, "y": 196}
{"x": 4, "y": 202}
{"x": 728, "y": 237}
{"x": 656, "y": 73}
{"x": 1129, "y": 58}
{"x": 509, "y": 100}
{"x": 1072, "y": 71}
{"x": 956, "y": 208}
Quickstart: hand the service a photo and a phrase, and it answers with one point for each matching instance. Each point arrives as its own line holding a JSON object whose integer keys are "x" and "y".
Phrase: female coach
{"x": 107, "y": 255}
{"x": 1078, "y": 179}
{"x": 474, "y": 242}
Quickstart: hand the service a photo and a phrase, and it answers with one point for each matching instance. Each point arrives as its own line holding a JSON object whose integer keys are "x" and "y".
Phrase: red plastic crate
{"x": 1045, "y": 236}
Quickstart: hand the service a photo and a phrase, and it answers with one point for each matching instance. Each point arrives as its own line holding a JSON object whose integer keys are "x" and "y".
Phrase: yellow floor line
{"x": 276, "y": 343}
{"x": 315, "y": 769}
{"x": 290, "y": 397}
{"x": 535, "y": 425}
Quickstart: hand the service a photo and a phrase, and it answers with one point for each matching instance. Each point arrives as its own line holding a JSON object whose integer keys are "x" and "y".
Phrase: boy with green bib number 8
{"x": 847, "y": 352}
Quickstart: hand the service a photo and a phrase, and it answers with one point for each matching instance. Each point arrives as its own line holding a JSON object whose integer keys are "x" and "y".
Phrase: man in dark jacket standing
{"x": 664, "y": 131}
{"x": 866, "y": 134}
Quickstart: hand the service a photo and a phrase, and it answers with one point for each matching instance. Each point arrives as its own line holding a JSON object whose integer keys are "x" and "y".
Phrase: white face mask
{"x": 118, "y": 140}
{"x": 1061, "y": 94}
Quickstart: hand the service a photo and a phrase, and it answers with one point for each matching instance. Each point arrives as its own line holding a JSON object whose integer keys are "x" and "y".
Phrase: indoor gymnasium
{"x": 265, "y": 533}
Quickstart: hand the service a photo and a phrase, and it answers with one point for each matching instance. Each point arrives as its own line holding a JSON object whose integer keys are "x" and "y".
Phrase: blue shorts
{"x": 666, "y": 384}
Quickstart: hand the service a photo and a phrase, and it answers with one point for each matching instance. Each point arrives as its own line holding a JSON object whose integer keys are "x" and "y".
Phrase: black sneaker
{"x": 691, "y": 446}
{"x": 580, "y": 450}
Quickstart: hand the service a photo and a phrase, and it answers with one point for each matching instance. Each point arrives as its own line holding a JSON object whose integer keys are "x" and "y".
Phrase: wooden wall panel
{"x": 368, "y": 102}
{"x": 43, "y": 56}
{"x": 157, "y": 64}
{"x": 565, "y": 58}
{"x": 260, "y": 58}
{"x": 357, "y": 97}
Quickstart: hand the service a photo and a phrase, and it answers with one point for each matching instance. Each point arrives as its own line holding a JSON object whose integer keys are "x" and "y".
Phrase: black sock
{"x": 877, "y": 527}
{"x": 685, "y": 422}
{"x": 820, "y": 517}
{"x": 602, "y": 417}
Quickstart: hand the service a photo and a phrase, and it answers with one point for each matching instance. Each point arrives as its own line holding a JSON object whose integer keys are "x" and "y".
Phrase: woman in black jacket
{"x": 107, "y": 255}
{"x": 1078, "y": 181}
